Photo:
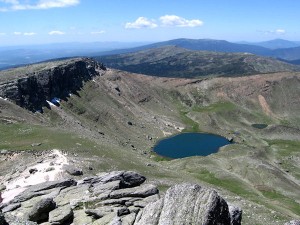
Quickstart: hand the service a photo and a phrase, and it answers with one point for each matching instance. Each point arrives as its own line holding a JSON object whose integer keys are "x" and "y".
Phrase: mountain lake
{"x": 189, "y": 144}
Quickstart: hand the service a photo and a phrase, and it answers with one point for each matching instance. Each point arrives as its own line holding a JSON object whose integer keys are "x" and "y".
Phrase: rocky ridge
{"x": 118, "y": 197}
{"x": 50, "y": 82}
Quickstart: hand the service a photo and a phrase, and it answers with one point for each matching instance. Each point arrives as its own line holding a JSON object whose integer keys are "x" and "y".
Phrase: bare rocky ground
{"x": 45, "y": 194}
{"x": 114, "y": 120}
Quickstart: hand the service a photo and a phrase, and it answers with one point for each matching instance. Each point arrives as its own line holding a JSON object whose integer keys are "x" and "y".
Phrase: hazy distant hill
{"x": 12, "y": 56}
{"x": 199, "y": 44}
{"x": 296, "y": 62}
{"x": 290, "y": 54}
{"x": 276, "y": 43}
{"x": 172, "y": 61}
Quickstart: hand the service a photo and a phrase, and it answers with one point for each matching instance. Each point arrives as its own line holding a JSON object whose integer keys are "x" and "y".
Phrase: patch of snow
{"x": 50, "y": 103}
{"x": 16, "y": 186}
{"x": 5, "y": 99}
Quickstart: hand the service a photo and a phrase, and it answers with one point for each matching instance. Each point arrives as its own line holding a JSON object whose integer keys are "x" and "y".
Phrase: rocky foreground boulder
{"x": 186, "y": 204}
{"x": 117, "y": 198}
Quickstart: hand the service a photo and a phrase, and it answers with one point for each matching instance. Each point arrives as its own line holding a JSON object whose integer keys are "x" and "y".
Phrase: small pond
{"x": 259, "y": 125}
{"x": 190, "y": 144}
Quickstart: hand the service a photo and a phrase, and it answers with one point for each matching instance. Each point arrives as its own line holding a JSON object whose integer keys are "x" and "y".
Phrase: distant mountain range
{"x": 287, "y": 51}
{"x": 199, "y": 44}
{"x": 173, "y": 61}
{"x": 275, "y": 44}
{"x": 287, "y": 54}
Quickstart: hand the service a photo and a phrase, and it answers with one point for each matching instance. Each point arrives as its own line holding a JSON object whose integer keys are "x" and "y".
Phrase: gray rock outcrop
{"x": 32, "y": 89}
{"x": 186, "y": 204}
{"x": 117, "y": 198}
{"x": 60, "y": 215}
{"x": 72, "y": 170}
{"x": 42, "y": 189}
{"x": 40, "y": 211}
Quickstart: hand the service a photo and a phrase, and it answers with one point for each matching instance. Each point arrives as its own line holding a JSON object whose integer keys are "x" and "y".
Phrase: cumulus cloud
{"x": 277, "y": 31}
{"x": 10, "y": 1}
{"x": 176, "y": 21}
{"x": 141, "y": 22}
{"x": 56, "y": 32}
{"x": 13, "y": 5}
{"x": 25, "y": 33}
{"x": 165, "y": 21}
{"x": 98, "y": 32}
{"x": 17, "y": 33}
{"x": 280, "y": 31}
{"x": 29, "y": 33}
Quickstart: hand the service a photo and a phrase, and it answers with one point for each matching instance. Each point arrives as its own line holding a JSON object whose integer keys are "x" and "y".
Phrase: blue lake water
{"x": 190, "y": 144}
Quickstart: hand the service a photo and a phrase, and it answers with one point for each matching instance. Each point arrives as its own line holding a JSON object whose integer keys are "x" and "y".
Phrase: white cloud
{"x": 2, "y": 34}
{"x": 17, "y": 33}
{"x": 29, "y": 33}
{"x": 277, "y": 31}
{"x": 280, "y": 31}
{"x": 13, "y": 5}
{"x": 47, "y": 4}
{"x": 15, "y": 2}
{"x": 141, "y": 22}
{"x": 176, "y": 21}
{"x": 98, "y": 32}
{"x": 56, "y": 32}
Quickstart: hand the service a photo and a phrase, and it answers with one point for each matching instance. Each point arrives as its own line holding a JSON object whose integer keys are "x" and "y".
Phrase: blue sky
{"x": 25, "y": 22}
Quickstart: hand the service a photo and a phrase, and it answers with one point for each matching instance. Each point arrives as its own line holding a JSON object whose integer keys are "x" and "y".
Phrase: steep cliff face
{"x": 33, "y": 89}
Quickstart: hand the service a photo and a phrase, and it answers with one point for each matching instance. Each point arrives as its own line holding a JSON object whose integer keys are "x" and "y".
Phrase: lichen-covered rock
{"x": 60, "y": 215}
{"x": 186, "y": 204}
{"x": 128, "y": 219}
{"x": 140, "y": 191}
{"x": 80, "y": 217}
{"x": 99, "y": 188}
{"x": 123, "y": 211}
{"x": 72, "y": 170}
{"x": 11, "y": 207}
{"x": 42, "y": 189}
{"x": 70, "y": 193}
{"x": 41, "y": 209}
{"x": 132, "y": 179}
{"x": 143, "y": 202}
{"x": 119, "y": 198}
{"x": 126, "y": 178}
{"x": 95, "y": 213}
{"x": 105, "y": 220}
